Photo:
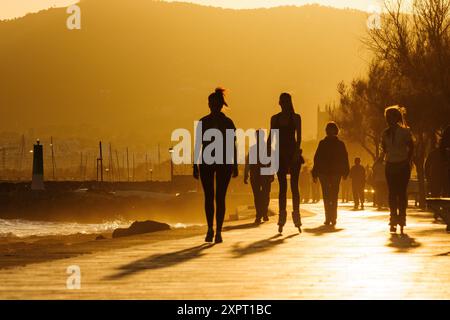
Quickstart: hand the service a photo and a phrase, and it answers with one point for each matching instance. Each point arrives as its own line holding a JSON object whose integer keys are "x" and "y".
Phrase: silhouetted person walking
{"x": 379, "y": 183}
{"x": 260, "y": 183}
{"x": 435, "y": 173}
{"x": 398, "y": 147}
{"x": 330, "y": 165}
{"x": 305, "y": 185}
{"x": 217, "y": 173}
{"x": 315, "y": 187}
{"x": 345, "y": 191}
{"x": 358, "y": 176}
{"x": 289, "y": 125}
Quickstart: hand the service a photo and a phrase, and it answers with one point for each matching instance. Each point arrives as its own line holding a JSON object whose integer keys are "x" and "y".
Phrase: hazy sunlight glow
{"x": 10, "y": 9}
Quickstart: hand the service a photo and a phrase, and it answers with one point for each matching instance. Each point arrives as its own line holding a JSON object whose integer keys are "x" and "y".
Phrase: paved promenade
{"x": 358, "y": 259}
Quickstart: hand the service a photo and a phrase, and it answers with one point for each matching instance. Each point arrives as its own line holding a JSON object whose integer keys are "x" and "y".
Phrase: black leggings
{"x": 397, "y": 176}
{"x": 282, "y": 180}
{"x": 222, "y": 174}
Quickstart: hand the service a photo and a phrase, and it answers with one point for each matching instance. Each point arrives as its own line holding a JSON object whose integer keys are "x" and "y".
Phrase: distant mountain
{"x": 140, "y": 68}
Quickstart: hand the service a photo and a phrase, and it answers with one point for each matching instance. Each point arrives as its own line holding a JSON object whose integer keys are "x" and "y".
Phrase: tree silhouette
{"x": 411, "y": 67}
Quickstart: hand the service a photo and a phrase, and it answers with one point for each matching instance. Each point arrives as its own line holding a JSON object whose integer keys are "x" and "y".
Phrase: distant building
{"x": 323, "y": 117}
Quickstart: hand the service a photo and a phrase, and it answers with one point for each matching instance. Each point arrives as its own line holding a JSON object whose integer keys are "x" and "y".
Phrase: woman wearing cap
{"x": 215, "y": 174}
{"x": 398, "y": 149}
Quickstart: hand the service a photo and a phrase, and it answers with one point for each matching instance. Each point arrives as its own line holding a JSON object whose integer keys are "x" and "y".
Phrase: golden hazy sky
{"x": 17, "y": 8}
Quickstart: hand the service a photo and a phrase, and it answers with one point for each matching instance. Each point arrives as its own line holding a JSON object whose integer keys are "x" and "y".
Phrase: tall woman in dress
{"x": 289, "y": 125}
{"x": 215, "y": 174}
{"x": 398, "y": 149}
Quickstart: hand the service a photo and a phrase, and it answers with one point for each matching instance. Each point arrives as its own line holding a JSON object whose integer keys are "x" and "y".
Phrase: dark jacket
{"x": 254, "y": 169}
{"x": 331, "y": 158}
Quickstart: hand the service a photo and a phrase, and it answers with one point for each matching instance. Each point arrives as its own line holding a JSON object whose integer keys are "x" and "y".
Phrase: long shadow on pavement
{"x": 241, "y": 226}
{"x": 323, "y": 230}
{"x": 159, "y": 261}
{"x": 260, "y": 246}
{"x": 403, "y": 242}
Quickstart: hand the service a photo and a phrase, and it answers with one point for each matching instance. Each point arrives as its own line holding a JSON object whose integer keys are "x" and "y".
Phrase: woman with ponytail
{"x": 289, "y": 126}
{"x": 216, "y": 175}
{"x": 398, "y": 149}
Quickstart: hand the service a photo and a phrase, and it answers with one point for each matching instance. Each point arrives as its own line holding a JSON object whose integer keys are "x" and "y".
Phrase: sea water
{"x": 25, "y": 228}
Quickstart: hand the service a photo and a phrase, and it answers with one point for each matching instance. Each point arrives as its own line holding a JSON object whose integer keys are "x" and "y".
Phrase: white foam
{"x": 25, "y": 228}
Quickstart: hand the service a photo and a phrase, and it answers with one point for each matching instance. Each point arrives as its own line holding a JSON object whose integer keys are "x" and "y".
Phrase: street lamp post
{"x": 171, "y": 163}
